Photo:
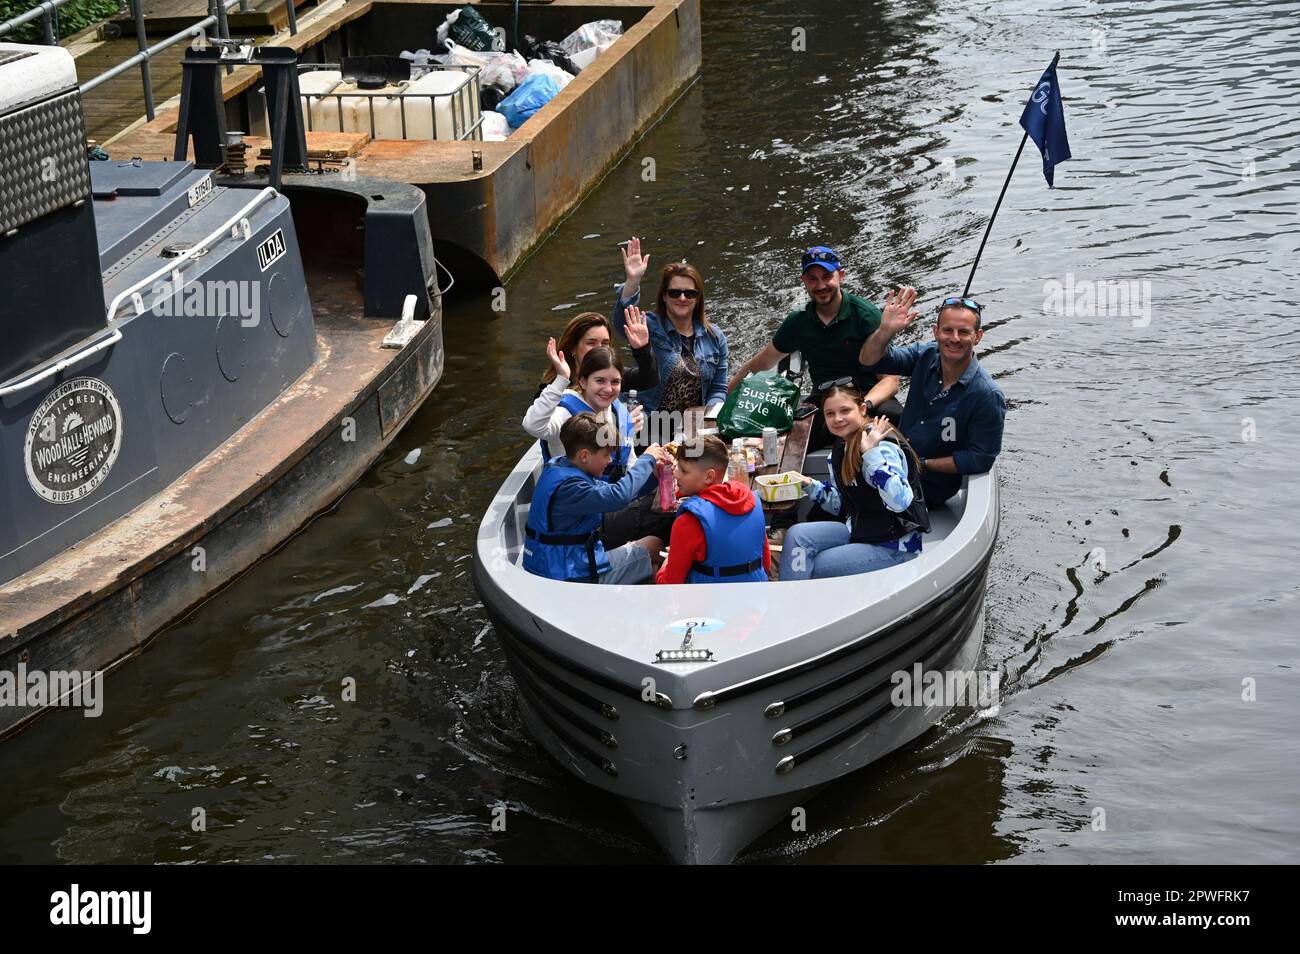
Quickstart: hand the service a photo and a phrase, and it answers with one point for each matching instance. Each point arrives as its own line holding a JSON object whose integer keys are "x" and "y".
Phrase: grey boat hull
{"x": 709, "y": 755}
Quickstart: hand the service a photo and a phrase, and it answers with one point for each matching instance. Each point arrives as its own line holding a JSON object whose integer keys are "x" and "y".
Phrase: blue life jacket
{"x": 734, "y": 543}
{"x": 618, "y": 462}
{"x": 570, "y": 552}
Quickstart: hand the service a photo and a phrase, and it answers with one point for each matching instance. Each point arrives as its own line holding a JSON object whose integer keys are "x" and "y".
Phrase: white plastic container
{"x": 414, "y": 99}
{"x": 779, "y": 488}
{"x": 455, "y": 114}
{"x": 322, "y": 112}
{"x": 356, "y": 105}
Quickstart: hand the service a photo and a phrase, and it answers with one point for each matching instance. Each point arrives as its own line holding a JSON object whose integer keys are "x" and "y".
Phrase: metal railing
{"x": 216, "y": 19}
{"x": 237, "y": 227}
{"x": 460, "y": 105}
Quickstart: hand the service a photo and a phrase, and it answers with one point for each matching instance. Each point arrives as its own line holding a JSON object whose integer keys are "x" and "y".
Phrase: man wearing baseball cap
{"x": 829, "y": 332}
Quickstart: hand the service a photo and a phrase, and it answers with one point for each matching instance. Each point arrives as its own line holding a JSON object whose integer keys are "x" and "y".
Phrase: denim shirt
{"x": 710, "y": 351}
{"x": 964, "y": 422}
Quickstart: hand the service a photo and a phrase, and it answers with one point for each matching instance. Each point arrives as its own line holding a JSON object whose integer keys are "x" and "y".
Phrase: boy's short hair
{"x": 708, "y": 451}
{"x": 584, "y": 432}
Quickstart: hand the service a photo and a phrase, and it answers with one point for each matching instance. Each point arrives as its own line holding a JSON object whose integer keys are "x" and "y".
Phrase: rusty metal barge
{"x": 489, "y": 202}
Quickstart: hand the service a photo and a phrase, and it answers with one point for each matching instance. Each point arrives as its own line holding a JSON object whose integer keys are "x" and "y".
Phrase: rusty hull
{"x": 99, "y": 602}
{"x": 529, "y": 182}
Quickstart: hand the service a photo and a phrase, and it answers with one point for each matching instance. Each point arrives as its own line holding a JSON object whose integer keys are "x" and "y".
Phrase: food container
{"x": 779, "y": 488}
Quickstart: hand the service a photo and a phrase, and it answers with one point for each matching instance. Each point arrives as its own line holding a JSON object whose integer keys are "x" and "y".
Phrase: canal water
{"x": 1142, "y": 593}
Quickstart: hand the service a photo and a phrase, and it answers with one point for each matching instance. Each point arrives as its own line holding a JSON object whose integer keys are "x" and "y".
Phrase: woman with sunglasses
{"x": 691, "y": 352}
{"x": 874, "y": 489}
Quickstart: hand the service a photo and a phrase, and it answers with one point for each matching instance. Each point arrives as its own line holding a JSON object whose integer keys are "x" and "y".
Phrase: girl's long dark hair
{"x": 574, "y": 332}
{"x": 851, "y": 466}
{"x": 602, "y": 359}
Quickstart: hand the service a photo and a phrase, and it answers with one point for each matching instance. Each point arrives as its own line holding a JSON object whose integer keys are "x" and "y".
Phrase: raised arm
{"x": 897, "y": 315}
{"x": 545, "y": 417}
{"x": 634, "y": 269}
{"x": 886, "y": 468}
{"x": 645, "y": 375}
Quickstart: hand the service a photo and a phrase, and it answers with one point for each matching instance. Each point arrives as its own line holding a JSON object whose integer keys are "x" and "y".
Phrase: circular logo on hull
{"x": 73, "y": 440}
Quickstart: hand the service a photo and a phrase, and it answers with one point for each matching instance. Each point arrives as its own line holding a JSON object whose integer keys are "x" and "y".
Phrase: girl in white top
{"x": 598, "y": 389}
{"x": 584, "y": 332}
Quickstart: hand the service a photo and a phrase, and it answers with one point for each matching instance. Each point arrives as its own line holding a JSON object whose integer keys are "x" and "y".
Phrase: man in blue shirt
{"x": 954, "y": 411}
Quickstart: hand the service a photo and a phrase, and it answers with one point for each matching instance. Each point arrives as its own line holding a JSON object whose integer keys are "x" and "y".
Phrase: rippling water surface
{"x": 1145, "y": 565}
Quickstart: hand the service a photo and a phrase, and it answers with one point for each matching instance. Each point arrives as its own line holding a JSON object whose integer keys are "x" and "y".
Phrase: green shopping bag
{"x": 765, "y": 399}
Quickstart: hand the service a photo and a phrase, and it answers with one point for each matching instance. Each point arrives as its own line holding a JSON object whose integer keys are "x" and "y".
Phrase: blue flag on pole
{"x": 1044, "y": 120}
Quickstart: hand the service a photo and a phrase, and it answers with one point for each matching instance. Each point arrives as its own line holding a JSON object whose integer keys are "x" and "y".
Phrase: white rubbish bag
{"x": 590, "y": 40}
{"x": 546, "y": 68}
{"x": 504, "y": 72}
{"x": 495, "y": 128}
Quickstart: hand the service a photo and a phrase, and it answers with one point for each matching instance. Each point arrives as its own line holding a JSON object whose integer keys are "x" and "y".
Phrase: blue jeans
{"x": 821, "y": 550}
{"x": 629, "y": 563}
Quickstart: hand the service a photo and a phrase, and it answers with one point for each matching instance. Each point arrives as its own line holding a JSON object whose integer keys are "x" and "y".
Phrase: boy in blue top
{"x": 563, "y": 532}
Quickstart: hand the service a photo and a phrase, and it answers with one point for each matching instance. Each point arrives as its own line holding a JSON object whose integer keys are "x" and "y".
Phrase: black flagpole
{"x": 989, "y": 228}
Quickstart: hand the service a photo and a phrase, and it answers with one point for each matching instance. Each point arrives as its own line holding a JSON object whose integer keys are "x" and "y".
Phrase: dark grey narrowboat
{"x": 194, "y": 363}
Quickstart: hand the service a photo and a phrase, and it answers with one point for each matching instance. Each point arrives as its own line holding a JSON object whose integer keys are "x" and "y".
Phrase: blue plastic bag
{"x": 529, "y": 96}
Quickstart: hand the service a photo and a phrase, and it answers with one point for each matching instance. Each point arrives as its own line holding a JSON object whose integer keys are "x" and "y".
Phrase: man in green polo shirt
{"x": 828, "y": 332}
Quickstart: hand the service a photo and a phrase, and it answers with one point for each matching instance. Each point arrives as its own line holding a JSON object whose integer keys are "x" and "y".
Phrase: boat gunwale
{"x": 741, "y": 689}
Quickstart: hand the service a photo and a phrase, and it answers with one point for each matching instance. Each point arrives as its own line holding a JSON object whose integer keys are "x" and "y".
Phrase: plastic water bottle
{"x": 632, "y": 404}
{"x": 737, "y": 465}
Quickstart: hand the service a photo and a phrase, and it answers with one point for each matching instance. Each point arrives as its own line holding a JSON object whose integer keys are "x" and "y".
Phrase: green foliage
{"x": 67, "y": 20}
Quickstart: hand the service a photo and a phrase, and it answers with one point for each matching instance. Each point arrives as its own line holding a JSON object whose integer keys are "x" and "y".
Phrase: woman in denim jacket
{"x": 691, "y": 352}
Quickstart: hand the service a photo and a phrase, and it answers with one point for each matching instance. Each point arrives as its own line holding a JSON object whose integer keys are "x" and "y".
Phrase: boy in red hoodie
{"x": 719, "y": 535}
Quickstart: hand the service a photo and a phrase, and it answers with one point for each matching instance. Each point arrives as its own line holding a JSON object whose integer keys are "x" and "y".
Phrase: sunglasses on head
{"x": 690, "y": 294}
{"x": 810, "y": 257}
{"x": 970, "y": 303}
{"x": 837, "y": 383}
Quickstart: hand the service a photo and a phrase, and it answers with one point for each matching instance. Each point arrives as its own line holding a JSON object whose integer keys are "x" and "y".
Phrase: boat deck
{"x": 349, "y": 368}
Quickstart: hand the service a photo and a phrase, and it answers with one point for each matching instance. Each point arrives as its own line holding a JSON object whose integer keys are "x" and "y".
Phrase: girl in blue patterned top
{"x": 874, "y": 489}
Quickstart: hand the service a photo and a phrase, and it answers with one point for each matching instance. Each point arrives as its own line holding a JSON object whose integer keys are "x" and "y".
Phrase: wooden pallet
{"x": 165, "y": 17}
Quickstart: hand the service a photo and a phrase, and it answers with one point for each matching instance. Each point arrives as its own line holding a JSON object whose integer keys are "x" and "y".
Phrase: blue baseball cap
{"x": 823, "y": 256}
